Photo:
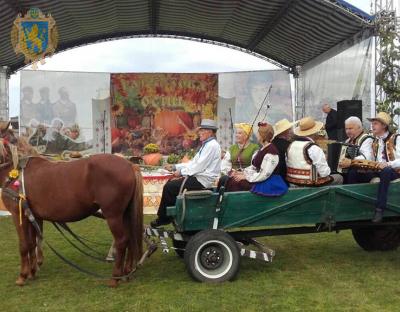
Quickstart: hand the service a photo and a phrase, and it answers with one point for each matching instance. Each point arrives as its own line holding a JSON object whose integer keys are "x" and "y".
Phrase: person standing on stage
{"x": 331, "y": 123}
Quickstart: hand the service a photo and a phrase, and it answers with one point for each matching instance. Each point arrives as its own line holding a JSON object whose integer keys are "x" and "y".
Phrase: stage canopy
{"x": 287, "y": 32}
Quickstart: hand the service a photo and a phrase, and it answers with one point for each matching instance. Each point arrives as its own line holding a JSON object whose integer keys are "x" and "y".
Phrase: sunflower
{"x": 117, "y": 109}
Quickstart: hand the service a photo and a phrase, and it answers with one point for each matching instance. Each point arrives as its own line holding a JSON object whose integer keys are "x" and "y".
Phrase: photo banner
{"x": 57, "y": 110}
{"x": 164, "y": 109}
{"x": 240, "y": 95}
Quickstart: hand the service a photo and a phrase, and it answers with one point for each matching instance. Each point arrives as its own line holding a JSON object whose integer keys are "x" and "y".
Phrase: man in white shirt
{"x": 386, "y": 151}
{"x": 200, "y": 173}
{"x": 306, "y": 162}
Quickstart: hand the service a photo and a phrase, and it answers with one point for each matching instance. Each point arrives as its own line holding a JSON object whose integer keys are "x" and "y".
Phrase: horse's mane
{"x": 20, "y": 148}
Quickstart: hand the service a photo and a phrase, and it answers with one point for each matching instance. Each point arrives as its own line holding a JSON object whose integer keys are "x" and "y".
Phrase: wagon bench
{"x": 213, "y": 229}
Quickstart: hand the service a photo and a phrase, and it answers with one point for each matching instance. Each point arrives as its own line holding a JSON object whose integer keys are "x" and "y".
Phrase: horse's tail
{"x": 136, "y": 216}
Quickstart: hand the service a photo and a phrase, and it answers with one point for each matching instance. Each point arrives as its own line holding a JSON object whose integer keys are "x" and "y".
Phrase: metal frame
{"x": 4, "y": 107}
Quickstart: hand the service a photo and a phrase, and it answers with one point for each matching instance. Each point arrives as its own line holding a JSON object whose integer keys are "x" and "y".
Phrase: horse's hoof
{"x": 113, "y": 283}
{"x": 32, "y": 276}
{"x": 20, "y": 281}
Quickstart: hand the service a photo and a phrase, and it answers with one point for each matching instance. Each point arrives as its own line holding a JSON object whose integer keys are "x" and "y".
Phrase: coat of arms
{"x": 34, "y": 35}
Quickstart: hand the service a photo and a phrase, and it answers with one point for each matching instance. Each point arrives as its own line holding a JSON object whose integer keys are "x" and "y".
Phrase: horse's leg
{"x": 129, "y": 262}
{"x": 22, "y": 231}
{"x": 39, "y": 249}
{"x": 120, "y": 242}
{"x": 32, "y": 251}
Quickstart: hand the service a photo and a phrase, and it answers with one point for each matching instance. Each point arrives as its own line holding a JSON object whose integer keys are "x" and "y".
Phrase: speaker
{"x": 346, "y": 109}
{"x": 333, "y": 154}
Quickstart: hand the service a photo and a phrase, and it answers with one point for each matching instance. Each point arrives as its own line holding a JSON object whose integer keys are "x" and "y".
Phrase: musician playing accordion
{"x": 386, "y": 152}
{"x": 360, "y": 143}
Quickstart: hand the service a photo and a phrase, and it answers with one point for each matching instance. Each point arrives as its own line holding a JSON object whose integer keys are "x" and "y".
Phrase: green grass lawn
{"x": 324, "y": 272}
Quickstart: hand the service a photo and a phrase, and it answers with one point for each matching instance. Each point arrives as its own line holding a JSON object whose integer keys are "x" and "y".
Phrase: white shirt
{"x": 268, "y": 166}
{"x": 381, "y": 145}
{"x": 366, "y": 151}
{"x": 318, "y": 158}
{"x": 205, "y": 165}
{"x": 226, "y": 163}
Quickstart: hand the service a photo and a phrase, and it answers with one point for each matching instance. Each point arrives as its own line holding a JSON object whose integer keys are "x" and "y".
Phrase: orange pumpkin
{"x": 168, "y": 120}
{"x": 152, "y": 159}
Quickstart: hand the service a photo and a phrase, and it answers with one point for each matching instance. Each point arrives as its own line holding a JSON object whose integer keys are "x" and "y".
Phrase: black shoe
{"x": 159, "y": 222}
{"x": 378, "y": 216}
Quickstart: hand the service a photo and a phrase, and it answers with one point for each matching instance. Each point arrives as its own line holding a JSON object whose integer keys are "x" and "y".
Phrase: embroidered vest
{"x": 389, "y": 149}
{"x": 300, "y": 169}
{"x": 259, "y": 157}
{"x": 352, "y": 152}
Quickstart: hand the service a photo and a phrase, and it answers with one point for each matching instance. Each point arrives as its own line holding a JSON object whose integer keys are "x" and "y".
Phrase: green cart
{"x": 214, "y": 229}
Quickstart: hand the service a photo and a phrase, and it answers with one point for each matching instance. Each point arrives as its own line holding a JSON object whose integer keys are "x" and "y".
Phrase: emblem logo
{"x": 34, "y": 35}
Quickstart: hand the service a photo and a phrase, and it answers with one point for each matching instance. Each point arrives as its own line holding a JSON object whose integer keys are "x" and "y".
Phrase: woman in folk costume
{"x": 306, "y": 161}
{"x": 261, "y": 176}
{"x": 240, "y": 154}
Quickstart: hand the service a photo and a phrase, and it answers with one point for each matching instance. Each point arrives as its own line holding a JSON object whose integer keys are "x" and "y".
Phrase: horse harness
{"x": 14, "y": 188}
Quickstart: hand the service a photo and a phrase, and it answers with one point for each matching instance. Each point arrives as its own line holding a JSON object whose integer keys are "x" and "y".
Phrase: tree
{"x": 388, "y": 78}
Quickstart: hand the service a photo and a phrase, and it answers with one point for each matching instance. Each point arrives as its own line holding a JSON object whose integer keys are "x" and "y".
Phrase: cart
{"x": 213, "y": 230}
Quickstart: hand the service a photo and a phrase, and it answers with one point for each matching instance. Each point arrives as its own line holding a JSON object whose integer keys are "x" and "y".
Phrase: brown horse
{"x": 72, "y": 191}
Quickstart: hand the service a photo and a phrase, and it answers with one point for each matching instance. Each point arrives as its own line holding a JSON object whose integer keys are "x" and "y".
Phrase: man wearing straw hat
{"x": 306, "y": 161}
{"x": 283, "y": 136}
{"x": 200, "y": 173}
{"x": 386, "y": 151}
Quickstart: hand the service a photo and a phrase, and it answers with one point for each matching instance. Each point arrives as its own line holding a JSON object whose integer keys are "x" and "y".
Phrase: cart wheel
{"x": 181, "y": 246}
{"x": 212, "y": 256}
{"x": 382, "y": 238}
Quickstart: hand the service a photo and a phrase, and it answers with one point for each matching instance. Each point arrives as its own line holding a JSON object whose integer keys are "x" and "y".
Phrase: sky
{"x": 151, "y": 55}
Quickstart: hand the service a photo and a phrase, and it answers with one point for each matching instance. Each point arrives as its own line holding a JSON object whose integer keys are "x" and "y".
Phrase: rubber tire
{"x": 181, "y": 245}
{"x": 215, "y": 237}
{"x": 377, "y": 239}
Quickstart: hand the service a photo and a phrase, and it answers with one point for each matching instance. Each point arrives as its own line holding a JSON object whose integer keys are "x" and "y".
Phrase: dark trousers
{"x": 386, "y": 176}
{"x": 171, "y": 191}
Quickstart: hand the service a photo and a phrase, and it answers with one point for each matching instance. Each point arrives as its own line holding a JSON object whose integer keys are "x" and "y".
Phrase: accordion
{"x": 338, "y": 151}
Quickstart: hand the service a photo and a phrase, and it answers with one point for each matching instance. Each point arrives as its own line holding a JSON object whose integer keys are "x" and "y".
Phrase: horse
{"x": 71, "y": 191}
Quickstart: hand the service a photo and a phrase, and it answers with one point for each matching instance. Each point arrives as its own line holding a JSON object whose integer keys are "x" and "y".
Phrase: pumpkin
{"x": 152, "y": 159}
{"x": 168, "y": 120}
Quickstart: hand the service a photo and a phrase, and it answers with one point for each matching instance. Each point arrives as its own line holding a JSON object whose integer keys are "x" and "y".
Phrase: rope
{"x": 101, "y": 259}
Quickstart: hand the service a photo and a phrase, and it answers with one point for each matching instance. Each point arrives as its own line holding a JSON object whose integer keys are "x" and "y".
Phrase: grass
{"x": 320, "y": 272}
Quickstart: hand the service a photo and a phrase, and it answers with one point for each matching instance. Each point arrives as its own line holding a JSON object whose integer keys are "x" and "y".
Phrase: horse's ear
{"x": 4, "y": 125}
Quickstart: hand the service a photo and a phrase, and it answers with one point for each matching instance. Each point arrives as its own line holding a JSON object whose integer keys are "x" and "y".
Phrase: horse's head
{"x": 6, "y": 133}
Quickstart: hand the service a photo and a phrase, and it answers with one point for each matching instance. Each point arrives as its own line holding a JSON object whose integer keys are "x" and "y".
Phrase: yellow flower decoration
{"x": 13, "y": 174}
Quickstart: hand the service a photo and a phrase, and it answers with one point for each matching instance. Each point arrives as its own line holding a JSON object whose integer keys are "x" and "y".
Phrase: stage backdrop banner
{"x": 244, "y": 92}
{"x": 56, "y": 109}
{"x": 159, "y": 108}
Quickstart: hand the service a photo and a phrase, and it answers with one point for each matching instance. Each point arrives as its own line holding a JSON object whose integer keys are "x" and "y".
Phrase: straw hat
{"x": 4, "y": 125}
{"x": 281, "y": 126}
{"x": 245, "y": 127}
{"x": 308, "y": 126}
{"x": 383, "y": 118}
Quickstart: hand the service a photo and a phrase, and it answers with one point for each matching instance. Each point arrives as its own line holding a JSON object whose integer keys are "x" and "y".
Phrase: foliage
{"x": 151, "y": 148}
{"x": 190, "y": 153}
{"x": 314, "y": 272}
{"x": 389, "y": 77}
{"x": 173, "y": 159}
